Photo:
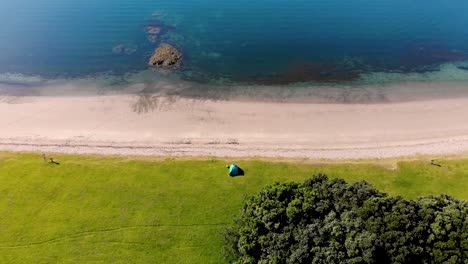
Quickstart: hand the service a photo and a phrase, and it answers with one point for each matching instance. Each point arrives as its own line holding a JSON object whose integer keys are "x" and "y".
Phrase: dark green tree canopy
{"x": 330, "y": 221}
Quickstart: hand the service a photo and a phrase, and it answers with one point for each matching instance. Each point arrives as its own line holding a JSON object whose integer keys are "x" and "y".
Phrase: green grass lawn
{"x": 117, "y": 210}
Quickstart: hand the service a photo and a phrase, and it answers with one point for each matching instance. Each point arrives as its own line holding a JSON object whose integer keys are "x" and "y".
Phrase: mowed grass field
{"x": 120, "y": 210}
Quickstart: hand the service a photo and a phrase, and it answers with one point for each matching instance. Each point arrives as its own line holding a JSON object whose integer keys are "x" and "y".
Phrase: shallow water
{"x": 232, "y": 43}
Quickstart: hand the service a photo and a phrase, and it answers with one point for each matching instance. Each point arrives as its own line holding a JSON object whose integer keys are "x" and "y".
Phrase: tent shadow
{"x": 240, "y": 172}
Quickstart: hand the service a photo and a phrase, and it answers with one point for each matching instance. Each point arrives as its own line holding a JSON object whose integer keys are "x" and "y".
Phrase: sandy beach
{"x": 172, "y": 126}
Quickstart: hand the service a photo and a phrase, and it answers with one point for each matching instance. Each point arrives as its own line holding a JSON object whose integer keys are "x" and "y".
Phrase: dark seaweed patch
{"x": 427, "y": 55}
{"x": 299, "y": 72}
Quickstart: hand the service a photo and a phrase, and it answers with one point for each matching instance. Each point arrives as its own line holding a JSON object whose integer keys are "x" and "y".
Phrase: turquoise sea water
{"x": 264, "y": 42}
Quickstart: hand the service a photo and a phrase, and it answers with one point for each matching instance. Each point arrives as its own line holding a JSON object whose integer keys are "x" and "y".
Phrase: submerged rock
{"x": 153, "y": 30}
{"x": 165, "y": 56}
{"x": 130, "y": 50}
{"x": 158, "y": 14}
{"x": 118, "y": 49}
{"x": 123, "y": 49}
{"x": 211, "y": 55}
{"x": 152, "y": 38}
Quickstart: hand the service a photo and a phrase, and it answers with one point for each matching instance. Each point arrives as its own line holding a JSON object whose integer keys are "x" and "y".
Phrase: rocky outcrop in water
{"x": 165, "y": 56}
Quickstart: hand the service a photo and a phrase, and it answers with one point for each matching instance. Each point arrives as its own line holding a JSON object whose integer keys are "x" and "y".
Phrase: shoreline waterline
{"x": 375, "y": 88}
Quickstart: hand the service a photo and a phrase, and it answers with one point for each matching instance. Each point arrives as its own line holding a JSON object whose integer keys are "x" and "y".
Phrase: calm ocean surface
{"x": 238, "y": 42}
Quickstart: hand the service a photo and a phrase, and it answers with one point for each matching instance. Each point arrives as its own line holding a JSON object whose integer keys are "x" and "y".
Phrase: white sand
{"x": 145, "y": 125}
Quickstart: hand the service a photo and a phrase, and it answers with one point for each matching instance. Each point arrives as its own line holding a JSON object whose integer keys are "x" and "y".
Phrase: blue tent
{"x": 233, "y": 170}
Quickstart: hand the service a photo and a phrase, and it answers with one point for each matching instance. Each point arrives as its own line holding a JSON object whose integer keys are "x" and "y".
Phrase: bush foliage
{"x": 330, "y": 221}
